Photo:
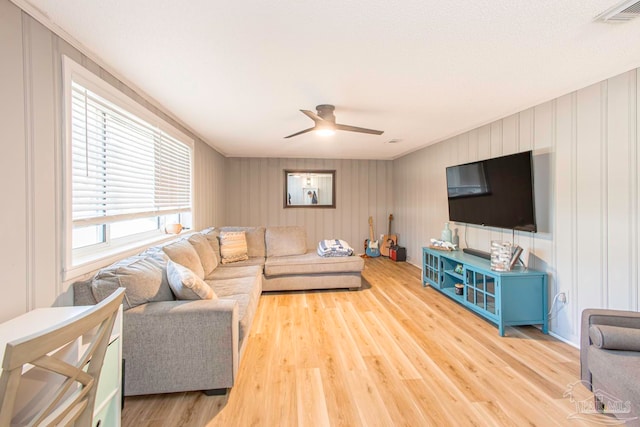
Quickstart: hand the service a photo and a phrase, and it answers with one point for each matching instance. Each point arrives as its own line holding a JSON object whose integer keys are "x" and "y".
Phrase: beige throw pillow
{"x": 186, "y": 285}
{"x": 255, "y": 239}
{"x": 233, "y": 246}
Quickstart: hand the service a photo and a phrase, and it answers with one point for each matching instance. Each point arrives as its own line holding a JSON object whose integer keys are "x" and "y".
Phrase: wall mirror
{"x": 305, "y": 188}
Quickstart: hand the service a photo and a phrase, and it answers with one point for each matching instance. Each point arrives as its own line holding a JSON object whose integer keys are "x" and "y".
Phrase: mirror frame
{"x": 332, "y": 172}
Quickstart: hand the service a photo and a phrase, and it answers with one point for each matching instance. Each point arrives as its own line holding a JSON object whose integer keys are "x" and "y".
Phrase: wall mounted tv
{"x": 496, "y": 192}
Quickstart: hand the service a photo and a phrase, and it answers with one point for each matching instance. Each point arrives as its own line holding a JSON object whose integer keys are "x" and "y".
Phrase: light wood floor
{"x": 393, "y": 353}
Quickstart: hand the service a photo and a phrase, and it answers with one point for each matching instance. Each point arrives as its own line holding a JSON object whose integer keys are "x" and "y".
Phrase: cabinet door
{"x": 481, "y": 290}
{"x": 431, "y": 269}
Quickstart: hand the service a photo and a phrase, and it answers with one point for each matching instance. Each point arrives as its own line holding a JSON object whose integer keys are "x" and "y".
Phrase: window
{"x": 128, "y": 172}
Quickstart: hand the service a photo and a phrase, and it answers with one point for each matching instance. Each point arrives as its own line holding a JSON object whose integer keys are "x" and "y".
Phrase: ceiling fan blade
{"x": 357, "y": 129}
{"x": 313, "y": 116}
{"x": 300, "y": 133}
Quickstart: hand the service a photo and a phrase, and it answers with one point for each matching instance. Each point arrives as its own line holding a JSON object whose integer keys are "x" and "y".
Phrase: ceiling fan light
{"x": 325, "y": 132}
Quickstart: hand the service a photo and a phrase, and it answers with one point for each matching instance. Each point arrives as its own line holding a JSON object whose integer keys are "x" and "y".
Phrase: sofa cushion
{"x": 205, "y": 252}
{"x": 615, "y": 337}
{"x": 185, "y": 254}
{"x": 312, "y": 263}
{"x": 213, "y": 236}
{"x": 255, "y": 239}
{"x": 617, "y": 373}
{"x": 233, "y": 246}
{"x": 246, "y": 291}
{"x": 143, "y": 277}
{"x": 284, "y": 241}
{"x": 186, "y": 285}
{"x": 233, "y": 271}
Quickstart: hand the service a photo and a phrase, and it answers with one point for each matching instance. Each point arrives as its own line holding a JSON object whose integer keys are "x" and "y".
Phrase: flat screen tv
{"x": 496, "y": 192}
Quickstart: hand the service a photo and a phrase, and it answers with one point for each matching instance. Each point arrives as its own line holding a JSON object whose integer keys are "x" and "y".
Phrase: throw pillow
{"x": 615, "y": 337}
{"x": 142, "y": 277}
{"x": 213, "y": 236}
{"x": 183, "y": 253}
{"x": 205, "y": 252}
{"x": 255, "y": 240}
{"x": 186, "y": 285}
{"x": 233, "y": 246}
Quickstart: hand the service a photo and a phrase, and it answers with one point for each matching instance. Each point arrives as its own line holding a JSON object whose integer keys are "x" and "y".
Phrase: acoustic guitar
{"x": 388, "y": 240}
{"x": 372, "y": 249}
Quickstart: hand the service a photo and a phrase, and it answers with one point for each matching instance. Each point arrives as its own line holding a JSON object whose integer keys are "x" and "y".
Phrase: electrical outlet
{"x": 562, "y": 298}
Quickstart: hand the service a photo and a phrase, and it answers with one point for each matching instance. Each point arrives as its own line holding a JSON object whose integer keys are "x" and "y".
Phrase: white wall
{"x": 585, "y": 148}
{"x": 30, "y": 175}
{"x": 255, "y": 196}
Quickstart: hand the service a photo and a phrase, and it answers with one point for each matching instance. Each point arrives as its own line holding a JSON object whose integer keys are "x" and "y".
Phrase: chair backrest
{"x": 72, "y": 398}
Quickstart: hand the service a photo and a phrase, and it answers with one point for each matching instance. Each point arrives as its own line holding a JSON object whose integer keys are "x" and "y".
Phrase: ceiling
{"x": 237, "y": 73}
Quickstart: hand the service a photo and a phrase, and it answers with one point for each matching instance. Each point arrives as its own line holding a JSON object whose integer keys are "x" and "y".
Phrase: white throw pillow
{"x": 183, "y": 253}
{"x": 233, "y": 246}
{"x": 186, "y": 285}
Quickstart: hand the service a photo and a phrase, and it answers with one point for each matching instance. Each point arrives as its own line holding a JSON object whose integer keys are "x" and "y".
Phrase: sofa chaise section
{"x": 310, "y": 271}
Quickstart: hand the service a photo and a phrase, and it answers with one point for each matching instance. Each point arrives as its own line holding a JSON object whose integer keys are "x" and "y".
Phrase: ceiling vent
{"x": 621, "y": 12}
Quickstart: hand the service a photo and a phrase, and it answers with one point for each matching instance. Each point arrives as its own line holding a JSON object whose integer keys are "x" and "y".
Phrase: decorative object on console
{"x": 441, "y": 245}
{"x": 501, "y": 255}
{"x": 455, "y": 239}
{"x": 445, "y": 236}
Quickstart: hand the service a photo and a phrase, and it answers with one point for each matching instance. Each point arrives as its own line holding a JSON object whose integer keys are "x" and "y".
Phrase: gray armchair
{"x": 610, "y": 361}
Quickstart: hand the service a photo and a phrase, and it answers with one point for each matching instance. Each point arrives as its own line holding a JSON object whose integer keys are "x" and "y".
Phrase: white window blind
{"x": 122, "y": 167}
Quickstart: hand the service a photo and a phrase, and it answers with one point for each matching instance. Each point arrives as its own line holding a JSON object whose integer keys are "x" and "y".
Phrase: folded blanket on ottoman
{"x": 334, "y": 247}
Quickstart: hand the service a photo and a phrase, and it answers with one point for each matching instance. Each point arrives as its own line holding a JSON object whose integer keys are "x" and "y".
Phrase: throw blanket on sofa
{"x": 335, "y": 247}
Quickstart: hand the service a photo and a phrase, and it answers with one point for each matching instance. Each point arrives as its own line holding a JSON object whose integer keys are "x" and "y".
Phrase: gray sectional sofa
{"x": 174, "y": 344}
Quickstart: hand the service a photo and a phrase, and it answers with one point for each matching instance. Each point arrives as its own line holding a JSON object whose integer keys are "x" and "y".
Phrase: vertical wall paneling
{"x": 618, "y": 208}
{"x": 510, "y": 135}
{"x": 587, "y": 186}
{"x": 13, "y": 254}
{"x": 565, "y": 212}
{"x": 635, "y": 232}
{"x": 29, "y": 162}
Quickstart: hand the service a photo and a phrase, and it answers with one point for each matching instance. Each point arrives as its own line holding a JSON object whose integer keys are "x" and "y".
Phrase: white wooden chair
{"x": 72, "y": 399}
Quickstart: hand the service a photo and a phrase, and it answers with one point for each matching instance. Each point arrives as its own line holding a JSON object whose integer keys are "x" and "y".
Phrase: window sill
{"x": 93, "y": 262}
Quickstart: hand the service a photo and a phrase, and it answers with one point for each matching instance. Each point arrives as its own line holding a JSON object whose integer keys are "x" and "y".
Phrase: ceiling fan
{"x": 325, "y": 123}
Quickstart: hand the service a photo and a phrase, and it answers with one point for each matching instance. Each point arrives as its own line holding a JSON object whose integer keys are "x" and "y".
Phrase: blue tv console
{"x": 509, "y": 298}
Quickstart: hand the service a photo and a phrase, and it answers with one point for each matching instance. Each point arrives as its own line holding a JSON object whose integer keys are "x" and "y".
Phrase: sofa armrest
{"x": 627, "y": 319}
{"x": 180, "y": 345}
